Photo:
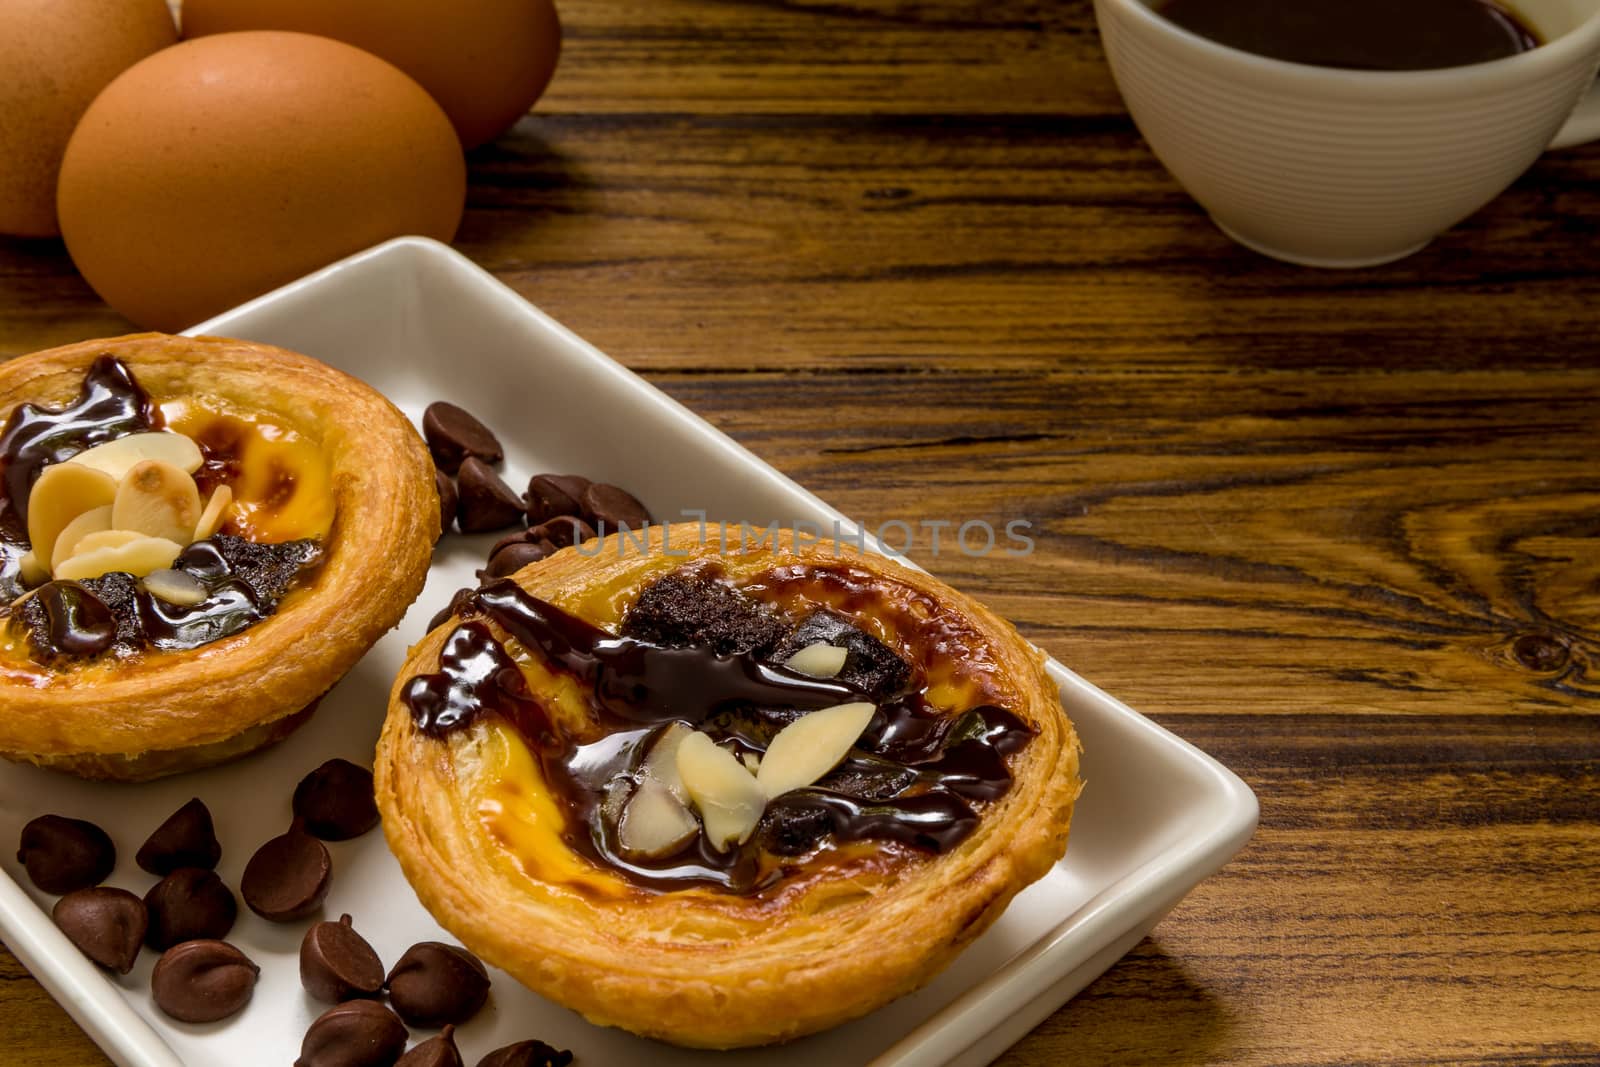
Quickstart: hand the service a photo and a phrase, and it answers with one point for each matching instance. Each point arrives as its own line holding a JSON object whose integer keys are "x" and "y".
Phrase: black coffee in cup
{"x": 1359, "y": 34}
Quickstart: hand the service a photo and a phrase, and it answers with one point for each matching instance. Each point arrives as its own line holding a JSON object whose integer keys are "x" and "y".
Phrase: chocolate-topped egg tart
{"x": 719, "y": 793}
{"x": 198, "y": 538}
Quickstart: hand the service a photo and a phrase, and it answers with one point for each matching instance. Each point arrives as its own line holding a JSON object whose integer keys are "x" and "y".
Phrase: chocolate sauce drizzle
{"x": 112, "y": 613}
{"x": 645, "y": 683}
{"x": 111, "y": 404}
{"x": 922, "y": 770}
{"x": 74, "y": 620}
{"x": 476, "y": 674}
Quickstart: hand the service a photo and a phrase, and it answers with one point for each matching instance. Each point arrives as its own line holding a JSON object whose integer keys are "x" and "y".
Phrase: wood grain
{"x": 1339, "y": 529}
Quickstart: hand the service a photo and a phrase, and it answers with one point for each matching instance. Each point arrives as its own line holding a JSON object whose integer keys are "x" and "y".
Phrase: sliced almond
{"x": 118, "y": 457}
{"x": 94, "y": 520}
{"x": 137, "y": 557}
{"x": 811, "y": 746}
{"x": 159, "y": 500}
{"x": 62, "y": 493}
{"x": 727, "y": 796}
{"x": 655, "y": 823}
{"x": 33, "y": 572}
{"x": 175, "y": 587}
{"x": 93, "y": 542}
{"x": 819, "y": 660}
{"x": 661, "y": 762}
{"x": 215, "y": 513}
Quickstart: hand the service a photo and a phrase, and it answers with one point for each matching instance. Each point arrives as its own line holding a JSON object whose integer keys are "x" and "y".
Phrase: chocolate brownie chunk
{"x": 268, "y": 569}
{"x": 695, "y": 611}
{"x": 871, "y": 665}
{"x": 791, "y": 827}
{"x": 115, "y": 592}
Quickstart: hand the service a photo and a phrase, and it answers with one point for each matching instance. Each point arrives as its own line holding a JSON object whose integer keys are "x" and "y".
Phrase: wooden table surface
{"x": 1341, "y": 530}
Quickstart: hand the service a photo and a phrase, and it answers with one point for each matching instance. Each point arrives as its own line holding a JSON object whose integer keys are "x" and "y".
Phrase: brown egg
{"x": 485, "y": 61}
{"x": 55, "y": 55}
{"x": 220, "y": 168}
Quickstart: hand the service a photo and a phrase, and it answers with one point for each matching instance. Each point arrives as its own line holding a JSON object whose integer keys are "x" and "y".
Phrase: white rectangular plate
{"x": 421, "y": 323}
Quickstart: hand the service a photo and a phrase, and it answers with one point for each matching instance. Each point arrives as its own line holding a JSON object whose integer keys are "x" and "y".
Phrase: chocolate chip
{"x": 357, "y": 1033}
{"x": 438, "y": 1051}
{"x": 613, "y": 508}
{"x": 106, "y": 924}
{"x": 189, "y": 904}
{"x": 454, "y": 434}
{"x": 435, "y": 983}
{"x": 686, "y": 611}
{"x": 527, "y": 1054}
{"x": 335, "y": 801}
{"x": 186, "y": 839}
{"x": 203, "y": 981}
{"x": 869, "y": 665}
{"x": 287, "y": 877}
{"x": 458, "y": 601}
{"x": 487, "y": 502}
{"x": 516, "y": 537}
{"x": 513, "y": 558}
{"x": 338, "y": 964}
{"x": 448, "y": 500}
{"x": 562, "y": 531}
{"x": 550, "y": 495}
{"x": 64, "y": 854}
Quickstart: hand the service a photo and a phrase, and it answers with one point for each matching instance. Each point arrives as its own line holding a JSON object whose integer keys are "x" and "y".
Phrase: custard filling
{"x": 277, "y": 475}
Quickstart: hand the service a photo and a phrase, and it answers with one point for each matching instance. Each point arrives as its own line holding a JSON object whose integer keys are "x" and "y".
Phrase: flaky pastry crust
{"x": 699, "y": 967}
{"x": 162, "y": 712}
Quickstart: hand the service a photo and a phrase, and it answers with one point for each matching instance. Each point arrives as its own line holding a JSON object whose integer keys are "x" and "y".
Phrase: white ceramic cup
{"x": 1350, "y": 168}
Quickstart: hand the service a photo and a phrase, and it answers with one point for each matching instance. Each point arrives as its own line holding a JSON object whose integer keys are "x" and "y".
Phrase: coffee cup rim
{"x": 1486, "y": 75}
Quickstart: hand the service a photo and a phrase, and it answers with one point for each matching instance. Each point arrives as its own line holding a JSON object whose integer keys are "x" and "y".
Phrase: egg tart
{"x": 720, "y": 793}
{"x": 198, "y": 538}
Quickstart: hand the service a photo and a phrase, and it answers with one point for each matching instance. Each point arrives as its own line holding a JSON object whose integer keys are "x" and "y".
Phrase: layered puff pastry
{"x": 566, "y": 770}
{"x": 223, "y": 528}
